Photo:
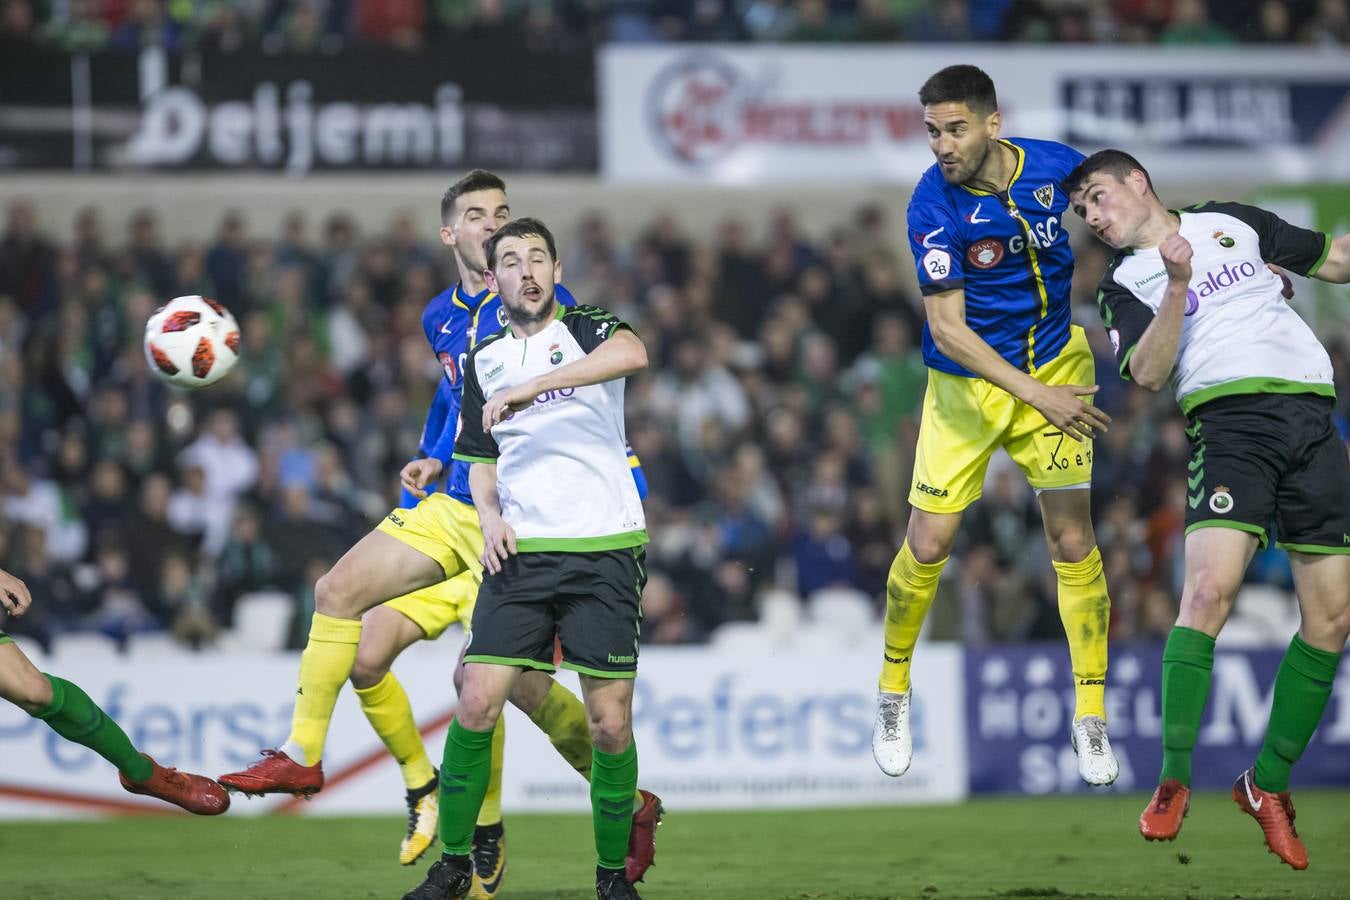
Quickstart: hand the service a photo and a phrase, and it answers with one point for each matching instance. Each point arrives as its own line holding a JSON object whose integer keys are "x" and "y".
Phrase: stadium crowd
{"x": 776, "y": 424}
{"x": 305, "y": 26}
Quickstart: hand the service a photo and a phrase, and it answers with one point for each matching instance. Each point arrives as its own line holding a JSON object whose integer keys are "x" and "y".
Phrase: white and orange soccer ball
{"x": 191, "y": 341}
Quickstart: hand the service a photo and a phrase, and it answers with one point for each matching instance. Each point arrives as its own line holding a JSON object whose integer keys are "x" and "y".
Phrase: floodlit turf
{"x": 1007, "y": 847}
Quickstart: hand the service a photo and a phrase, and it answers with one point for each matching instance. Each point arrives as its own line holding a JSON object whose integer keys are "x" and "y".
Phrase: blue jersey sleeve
{"x": 934, "y": 239}
{"x": 639, "y": 476}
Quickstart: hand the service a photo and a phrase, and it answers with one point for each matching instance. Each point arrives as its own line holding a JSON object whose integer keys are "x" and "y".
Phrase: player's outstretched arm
{"x": 14, "y": 596}
{"x": 1062, "y": 405}
{"x": 1336, "y": 267}
{"x": 623, "y": 354}
{"x": 1155, "y": 355}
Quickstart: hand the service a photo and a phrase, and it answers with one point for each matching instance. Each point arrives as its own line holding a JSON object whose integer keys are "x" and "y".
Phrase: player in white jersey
{"x": 563, "y": 535}
{"x": 1189, "y": 301}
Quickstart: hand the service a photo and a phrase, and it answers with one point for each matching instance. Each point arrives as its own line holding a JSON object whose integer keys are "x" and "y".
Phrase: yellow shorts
{"x": 448, "y": 532}
{"x": 966, "y": 419}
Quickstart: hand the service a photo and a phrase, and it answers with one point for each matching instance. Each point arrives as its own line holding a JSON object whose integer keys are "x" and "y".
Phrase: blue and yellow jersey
{"x": 1009, "y": 252}
{"x": 454, "y": 322}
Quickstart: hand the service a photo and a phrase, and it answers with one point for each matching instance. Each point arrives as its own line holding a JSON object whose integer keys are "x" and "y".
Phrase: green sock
{"x": 465, "y": 767}
{"x": 613, "y": 780}
{"x": 75, "y": 717}
{"x": 1188, "y": 662}
{"x": 1302, "y": 688}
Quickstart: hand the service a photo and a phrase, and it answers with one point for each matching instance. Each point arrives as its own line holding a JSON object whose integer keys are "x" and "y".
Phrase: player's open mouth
{"x": 533, "y": 292}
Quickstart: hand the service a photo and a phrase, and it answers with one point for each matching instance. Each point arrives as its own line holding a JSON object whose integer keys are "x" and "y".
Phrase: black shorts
{"x": 591, "y": 601}
{"x": 1263, "y": 461}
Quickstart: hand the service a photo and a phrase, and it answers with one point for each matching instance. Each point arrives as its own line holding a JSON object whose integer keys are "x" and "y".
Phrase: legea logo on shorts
{"x": 1213, "y": 282}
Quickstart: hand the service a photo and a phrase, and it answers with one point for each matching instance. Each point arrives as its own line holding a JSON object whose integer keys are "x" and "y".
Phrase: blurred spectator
{"x": 777, "y": 425}
{"x": 147, "y": 24}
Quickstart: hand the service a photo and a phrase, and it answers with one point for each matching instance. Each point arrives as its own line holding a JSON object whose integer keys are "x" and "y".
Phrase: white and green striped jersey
{"x": 562, "y": 466}
{"x": 1238, "y": 335}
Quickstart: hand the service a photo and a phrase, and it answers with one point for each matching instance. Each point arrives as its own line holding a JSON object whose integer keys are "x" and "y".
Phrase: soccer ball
{"x": 191, "y": 342}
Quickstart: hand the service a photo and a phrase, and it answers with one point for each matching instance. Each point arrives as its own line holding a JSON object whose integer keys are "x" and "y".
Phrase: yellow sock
{"x": 1085, "y": 609}
{"x": 910, "y": 589}
{"x": 490, "y": 813}
{"x": 389, "y": 713}
{"x": 324, "y": 666}
{"x": 562, "y": 717}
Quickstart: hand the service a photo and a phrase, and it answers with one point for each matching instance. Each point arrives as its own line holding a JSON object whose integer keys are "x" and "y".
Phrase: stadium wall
{"x": 715, "y": 730}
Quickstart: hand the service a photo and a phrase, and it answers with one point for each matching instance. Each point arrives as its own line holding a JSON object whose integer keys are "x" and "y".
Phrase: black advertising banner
{"x": 363, "y": 108}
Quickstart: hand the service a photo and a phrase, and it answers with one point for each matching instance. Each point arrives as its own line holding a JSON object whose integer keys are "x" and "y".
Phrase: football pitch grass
{"x": 1084, "y": 846}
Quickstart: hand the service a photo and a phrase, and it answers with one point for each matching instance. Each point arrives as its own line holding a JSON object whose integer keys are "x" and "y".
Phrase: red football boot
{"x": 195, "y": 793}
{"x": 642, "y": 838}
{"x": 1161, "y": 819}
{"x": 1275, "y": 814}
{"x": 276, "y": 773}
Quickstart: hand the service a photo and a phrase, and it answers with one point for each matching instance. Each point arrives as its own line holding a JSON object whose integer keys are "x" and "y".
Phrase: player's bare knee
{"x": 1071, "y": 543}
{"x": 458, "y": 677}
{"x": 1206, "y": 605}
{"x": 477, "y": 710}
{"x": 611, "y": 728}
{"x": 333, "y": 597}
{"x": 1327, "y": 629}
{"x": 928, "y": 547}
{"x": 368, "y": 671}
{"x": 30, "y": 691}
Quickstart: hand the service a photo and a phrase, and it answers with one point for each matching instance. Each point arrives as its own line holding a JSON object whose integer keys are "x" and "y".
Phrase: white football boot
{"x": 892, "y": 747}
{"x": 1096, "y": 761}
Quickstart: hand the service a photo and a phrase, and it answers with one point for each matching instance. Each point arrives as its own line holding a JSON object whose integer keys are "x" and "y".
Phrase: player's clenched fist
{"x": 1176, "y": 256}
{"x": 14, "y": 596}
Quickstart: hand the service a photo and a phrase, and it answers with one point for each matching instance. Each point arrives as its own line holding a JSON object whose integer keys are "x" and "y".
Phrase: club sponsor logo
{"x": 985, "y": 254}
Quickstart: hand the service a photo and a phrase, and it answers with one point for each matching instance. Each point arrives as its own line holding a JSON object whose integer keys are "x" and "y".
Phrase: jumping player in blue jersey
{"x": 417, "y": 573}
{"x": 1006, "y": 369}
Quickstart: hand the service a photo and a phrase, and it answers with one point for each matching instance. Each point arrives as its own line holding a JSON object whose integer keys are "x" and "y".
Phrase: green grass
{"x": 1006, "y": 847}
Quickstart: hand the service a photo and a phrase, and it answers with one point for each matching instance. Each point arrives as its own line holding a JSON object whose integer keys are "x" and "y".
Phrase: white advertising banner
{"x": 713, "y": 731}
{"x": 740, "y": 115}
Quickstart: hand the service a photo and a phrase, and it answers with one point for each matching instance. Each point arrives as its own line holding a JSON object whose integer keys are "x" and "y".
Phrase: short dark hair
{"x": 961, "y": 84}
{"x": 519, "y": 228}
{"x": 477, "y": 180}
{"x": 1113, "y": 162}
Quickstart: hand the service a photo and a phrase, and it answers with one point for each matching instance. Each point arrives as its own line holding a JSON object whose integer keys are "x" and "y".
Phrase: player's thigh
{"x": 385, "y": 633}
{"x": 964, "y": 420}
{"x": 436, "y": 607}
{"x": 530, "y": 690}
{"x": 20, "y": 681}
{"x": 1216, "y": 560}
{"x": 442, "y": 529}
{"x": 376, "y": 569}
{"x": 600, "y": 611}
{"x": 1322, "y": 581}
{"x": 1050, "y": 458}
{"x": 513, "y": 619}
